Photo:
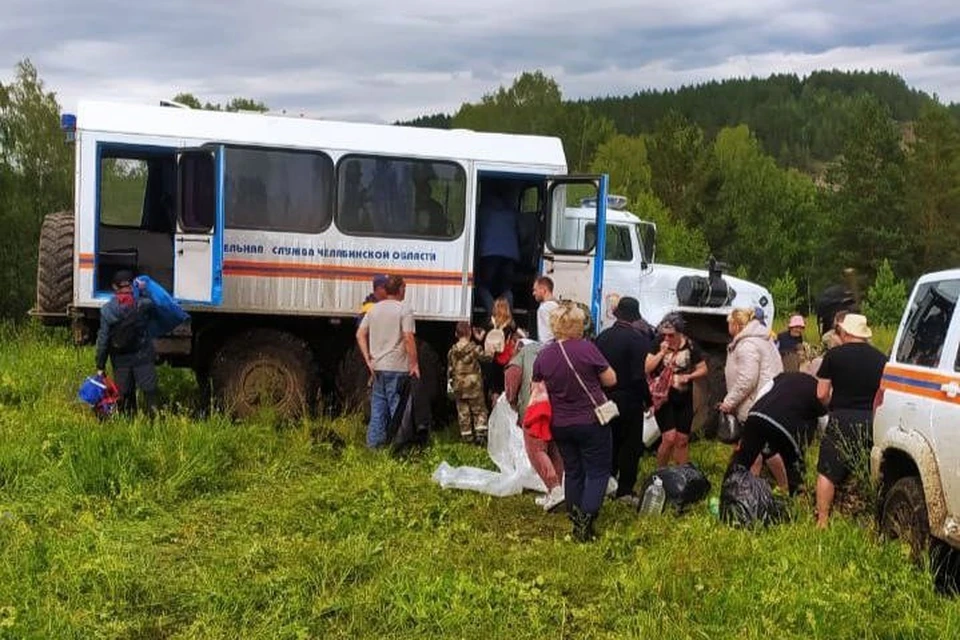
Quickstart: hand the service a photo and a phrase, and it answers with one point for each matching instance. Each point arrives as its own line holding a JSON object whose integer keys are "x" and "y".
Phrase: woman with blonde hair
{"x": 499, "y": 345}
{"x": 753, "y": 361}
{"x": 575, "y": 374}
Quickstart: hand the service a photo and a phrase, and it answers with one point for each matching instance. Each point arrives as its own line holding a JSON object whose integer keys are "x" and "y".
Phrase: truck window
{"x": 278, "y": 190}
{"x": 619, "y": 247}
{"x": 927, "y": 323}
{"x": 138, "y": 189}
{"x": 400, "y": 197}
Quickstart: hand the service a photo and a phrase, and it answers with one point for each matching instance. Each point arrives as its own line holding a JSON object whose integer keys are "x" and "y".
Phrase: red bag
{"x": 108, "y": 403}
{"x": 503, "y": 357}
{"x": 660, "y": 386}
{"x": 539, "y": 413}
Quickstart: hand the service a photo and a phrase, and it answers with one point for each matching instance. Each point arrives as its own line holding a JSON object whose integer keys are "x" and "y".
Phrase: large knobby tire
{"x": 353, "y": 381}
{"x": 264, "y": 370}
{"x": 709, "y": 392}
{"x": 904, "y": 516}
{"x": 55, "y": 266}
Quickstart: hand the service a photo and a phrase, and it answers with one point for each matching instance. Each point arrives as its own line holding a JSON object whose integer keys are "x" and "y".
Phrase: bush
{"x": 786, "y": 296}
{"x": 887, "y": 297}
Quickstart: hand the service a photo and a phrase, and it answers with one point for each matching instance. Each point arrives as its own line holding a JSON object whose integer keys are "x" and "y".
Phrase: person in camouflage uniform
{"x": 466, "y": 383}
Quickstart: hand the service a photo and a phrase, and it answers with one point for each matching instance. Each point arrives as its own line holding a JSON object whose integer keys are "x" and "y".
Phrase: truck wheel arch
{"x": 908, "y": 453}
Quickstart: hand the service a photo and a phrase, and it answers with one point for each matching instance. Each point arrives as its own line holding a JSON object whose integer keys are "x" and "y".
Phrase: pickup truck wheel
{"x": 904, "y": 516}
{"x": 264, "y": 369}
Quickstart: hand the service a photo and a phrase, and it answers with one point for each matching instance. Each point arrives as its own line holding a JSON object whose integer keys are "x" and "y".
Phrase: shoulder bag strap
{"x": 579, "y": 379}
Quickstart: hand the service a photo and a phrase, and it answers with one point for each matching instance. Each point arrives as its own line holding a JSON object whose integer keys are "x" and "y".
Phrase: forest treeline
{"x": 787, "y": 180}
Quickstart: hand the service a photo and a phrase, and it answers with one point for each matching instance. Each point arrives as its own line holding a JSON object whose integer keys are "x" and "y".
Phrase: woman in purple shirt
{"x": 585, "y": 445}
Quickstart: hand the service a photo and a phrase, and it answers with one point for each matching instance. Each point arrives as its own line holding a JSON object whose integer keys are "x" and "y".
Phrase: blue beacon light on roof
{"x": 68, "y": 124}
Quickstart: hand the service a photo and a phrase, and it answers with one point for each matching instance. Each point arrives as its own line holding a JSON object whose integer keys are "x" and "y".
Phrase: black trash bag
{"x": 728, "y": 428}
{"x": 683, "y": 485}
{"x": 410, "y": 425}
{"x": 746, "y": 500}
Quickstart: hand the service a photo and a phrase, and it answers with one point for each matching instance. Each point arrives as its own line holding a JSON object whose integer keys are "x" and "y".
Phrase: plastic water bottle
{"x": 653, "y": 498}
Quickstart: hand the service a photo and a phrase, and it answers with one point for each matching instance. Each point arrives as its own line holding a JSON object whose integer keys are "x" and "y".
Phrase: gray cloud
{"x": 383, "y": 59}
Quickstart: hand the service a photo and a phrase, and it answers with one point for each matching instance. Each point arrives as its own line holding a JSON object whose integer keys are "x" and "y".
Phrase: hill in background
{"x": 798, "y": 120}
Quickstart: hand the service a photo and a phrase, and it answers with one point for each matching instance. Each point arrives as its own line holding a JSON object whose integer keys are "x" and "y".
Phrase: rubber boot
{"x": 582, "y": 525}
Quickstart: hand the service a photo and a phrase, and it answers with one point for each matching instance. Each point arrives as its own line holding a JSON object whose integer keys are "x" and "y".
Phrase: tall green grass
{"x": 210, "y": 529}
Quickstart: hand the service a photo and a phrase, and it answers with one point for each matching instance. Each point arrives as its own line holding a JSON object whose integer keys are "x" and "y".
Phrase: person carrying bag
{"x": 605, "y": 412}
{"x": 571, "y": 366}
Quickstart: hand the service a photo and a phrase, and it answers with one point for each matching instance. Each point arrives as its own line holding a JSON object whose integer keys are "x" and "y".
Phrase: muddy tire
{"x": 709, "y": 393}
{"x": 55, "y": 267}
{"x": 904, "y": 516}
{"x": 353, "y": 382}
{"x": 264, "y": 370}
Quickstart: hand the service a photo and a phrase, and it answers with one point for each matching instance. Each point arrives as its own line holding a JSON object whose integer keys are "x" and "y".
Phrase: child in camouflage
{"x": 466, "y": 383}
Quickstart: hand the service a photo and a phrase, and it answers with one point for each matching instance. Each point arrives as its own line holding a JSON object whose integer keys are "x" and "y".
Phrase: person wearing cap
{"x": 123, "y": 338}
{"x": 793, "y": 349}
{"x": 849, "y": 378}
{"x": 379, "y": 293}
{"x": 626, "y": 348}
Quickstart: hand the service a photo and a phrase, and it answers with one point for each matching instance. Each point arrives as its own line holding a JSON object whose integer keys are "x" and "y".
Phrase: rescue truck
{"x": 269, "y": 229}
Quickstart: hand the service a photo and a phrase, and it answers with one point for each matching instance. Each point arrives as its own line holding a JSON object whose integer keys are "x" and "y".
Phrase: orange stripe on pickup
{"x": 924, "y": 384}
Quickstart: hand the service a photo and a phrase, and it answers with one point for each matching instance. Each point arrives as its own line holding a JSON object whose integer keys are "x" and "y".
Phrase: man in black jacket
{"x": 626, "y": 348}
{"x": 124, "y": 339}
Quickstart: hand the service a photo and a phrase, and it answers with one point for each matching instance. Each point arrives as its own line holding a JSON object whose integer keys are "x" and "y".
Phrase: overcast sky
{"x": 381, "y": 60}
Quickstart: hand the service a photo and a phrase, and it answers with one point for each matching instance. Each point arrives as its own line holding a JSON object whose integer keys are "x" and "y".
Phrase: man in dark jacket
{"x": 123, "y": 337}
{"x": 625, "y": 347}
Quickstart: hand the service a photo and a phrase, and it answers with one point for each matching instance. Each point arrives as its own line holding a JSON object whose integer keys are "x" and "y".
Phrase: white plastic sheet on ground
{"x": 505, "y": 446}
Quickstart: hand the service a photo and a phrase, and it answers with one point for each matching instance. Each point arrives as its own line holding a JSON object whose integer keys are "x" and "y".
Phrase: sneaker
{"x": 553, "y": 499}
{"x": 466, "y": 437}
{"x": 539, "y": 500}
{"x": 612, "y": 486}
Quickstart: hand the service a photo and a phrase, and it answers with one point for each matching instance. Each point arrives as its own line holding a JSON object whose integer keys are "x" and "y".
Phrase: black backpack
{"x": 126, "y": 332}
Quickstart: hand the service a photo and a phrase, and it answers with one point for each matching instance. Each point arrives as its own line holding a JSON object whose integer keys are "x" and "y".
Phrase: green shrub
{"x": 786, "y": 295}
{"x": 886, "y": 298}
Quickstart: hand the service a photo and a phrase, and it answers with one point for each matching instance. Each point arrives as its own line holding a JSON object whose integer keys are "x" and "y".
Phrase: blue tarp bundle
{"x": 169, "y": 315}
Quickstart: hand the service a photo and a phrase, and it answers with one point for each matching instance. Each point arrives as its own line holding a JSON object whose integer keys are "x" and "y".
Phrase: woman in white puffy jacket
{"x": 752, "y": 361}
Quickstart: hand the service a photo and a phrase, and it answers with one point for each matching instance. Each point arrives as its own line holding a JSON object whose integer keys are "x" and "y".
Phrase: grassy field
{"x": 207, "y": 529}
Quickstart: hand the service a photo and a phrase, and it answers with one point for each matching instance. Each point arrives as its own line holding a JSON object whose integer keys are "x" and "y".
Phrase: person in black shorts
{"x": 849, "y": 379}
{"x": 673, "y": 363}
{"x": 783, "y": 421}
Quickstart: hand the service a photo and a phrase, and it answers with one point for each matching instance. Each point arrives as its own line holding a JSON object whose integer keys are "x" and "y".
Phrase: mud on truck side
{"x": 269, "y": 230}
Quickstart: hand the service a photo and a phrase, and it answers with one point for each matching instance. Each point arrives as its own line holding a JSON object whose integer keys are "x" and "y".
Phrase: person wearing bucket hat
{"x": 626, "y": 348}
{"x": 849, "y": 378}
{"x": 793, "y": 348}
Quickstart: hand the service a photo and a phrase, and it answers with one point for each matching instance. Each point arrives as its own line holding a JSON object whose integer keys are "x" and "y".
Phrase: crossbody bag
{"x": 605, "y": 412}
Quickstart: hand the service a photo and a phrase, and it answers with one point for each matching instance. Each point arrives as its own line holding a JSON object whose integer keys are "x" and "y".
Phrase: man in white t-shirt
{"x": 387, "y": 340}
{"x": 543, "y": 293}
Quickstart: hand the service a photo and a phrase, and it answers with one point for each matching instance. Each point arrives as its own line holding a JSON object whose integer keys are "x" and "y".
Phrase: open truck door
{"x": 198, "y": 239}
{"x": 568, "y": 255}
